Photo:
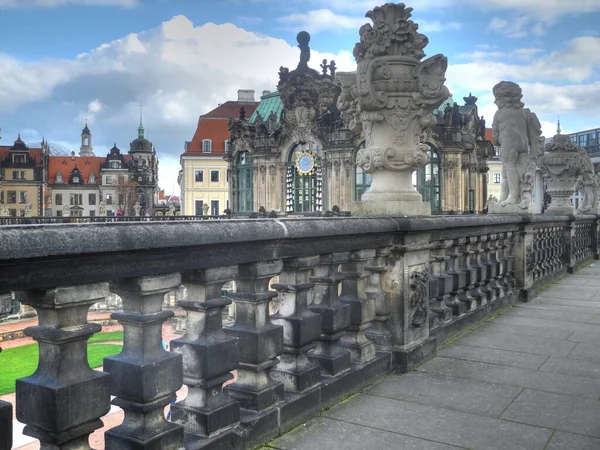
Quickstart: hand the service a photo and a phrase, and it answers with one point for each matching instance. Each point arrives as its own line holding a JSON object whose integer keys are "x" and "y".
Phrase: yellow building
{"x": 203, "y": 178}
{"x": 22, "y": 175}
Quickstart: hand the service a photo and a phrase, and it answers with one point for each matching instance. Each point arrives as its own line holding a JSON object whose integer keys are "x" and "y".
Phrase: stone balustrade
{"x": 356, "y": 299}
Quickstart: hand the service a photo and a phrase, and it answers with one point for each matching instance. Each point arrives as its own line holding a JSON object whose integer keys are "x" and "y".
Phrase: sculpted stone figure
{"x": 102, "y": 208}
{"x": 587, "y": 184}
{"x": 4, "y": 210}
{"x": 66, "y": 211}
{"x": 28, "y": 210}
{"x": 517, "y": 131}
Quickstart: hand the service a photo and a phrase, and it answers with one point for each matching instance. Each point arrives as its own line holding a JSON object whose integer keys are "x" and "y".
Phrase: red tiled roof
{"x": 215, "y": 126}
{"x": 489, "y": 135}
{"x": 34, "y": 152}
{"x": 65, "y": 164}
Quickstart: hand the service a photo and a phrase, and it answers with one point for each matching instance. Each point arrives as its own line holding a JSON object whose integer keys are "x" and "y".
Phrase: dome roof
{"x": 141, "y": 144}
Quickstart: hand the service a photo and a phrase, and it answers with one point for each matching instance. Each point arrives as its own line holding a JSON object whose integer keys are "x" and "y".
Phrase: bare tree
{"x": 127, "y": 195}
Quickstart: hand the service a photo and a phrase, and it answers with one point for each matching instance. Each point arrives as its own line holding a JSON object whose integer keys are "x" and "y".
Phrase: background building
{"x": 203, "y": 178}
{"x": 23, "y": 173}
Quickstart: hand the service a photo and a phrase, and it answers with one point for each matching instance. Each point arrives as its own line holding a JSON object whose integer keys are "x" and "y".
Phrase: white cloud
{"x": 321, "y": 19}
{"x": 177, "y": 71}
{"x": 6, "y": 4}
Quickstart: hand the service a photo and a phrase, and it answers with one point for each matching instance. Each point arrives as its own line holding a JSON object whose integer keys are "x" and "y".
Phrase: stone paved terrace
{"x": 526, "y": 378}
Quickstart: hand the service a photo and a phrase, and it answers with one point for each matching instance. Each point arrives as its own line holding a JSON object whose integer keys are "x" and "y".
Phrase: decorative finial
{"x": 332, "y": 68}
{"x": 324, "y": 67}
{"x": 242, "y": 113}
{"x": 558, "y": 130}
{"x": 141, "y": 127}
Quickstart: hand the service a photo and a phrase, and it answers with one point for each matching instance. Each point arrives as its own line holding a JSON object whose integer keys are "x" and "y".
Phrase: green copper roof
{"x": 449, "y": 101}
{"x": 269, "y": 102}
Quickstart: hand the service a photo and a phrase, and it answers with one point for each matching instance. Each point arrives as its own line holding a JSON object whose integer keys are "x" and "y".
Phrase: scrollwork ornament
{"x": 418, "y": 297}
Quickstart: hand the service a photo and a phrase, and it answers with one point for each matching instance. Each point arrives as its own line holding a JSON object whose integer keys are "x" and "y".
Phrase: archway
{"x": 304, "y": 179}
{"x": 429, "y": 181}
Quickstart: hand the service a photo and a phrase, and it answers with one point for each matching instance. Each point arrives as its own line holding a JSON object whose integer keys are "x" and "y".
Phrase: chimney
{"x": 245, "y": 95}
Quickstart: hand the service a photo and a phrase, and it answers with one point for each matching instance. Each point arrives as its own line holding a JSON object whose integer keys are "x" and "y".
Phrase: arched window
{"x": 428, "y": 181}
{"x": 304, "y": 180}
{"x": 206, "y": 146}
{"x": 362, "y": 179}
{"x": 245, "y": 182}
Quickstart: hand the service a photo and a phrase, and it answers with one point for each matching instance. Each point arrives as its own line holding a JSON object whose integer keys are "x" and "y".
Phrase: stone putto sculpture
{"x": 28, "y": 209}
{"x": 102, "y": 208}
{"x": 392, "y": 95}
{"x": 587, "y": 184}
{"x": 518, "y": 133}
{"x": 4, "y": 210}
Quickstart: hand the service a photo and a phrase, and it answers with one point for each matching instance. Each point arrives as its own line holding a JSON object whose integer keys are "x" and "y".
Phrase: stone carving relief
{"x": 529, "y": 260}
{"x": 418, "y": 297}
{"x": 517, "y": 131}
{"x": 392, "y": 95}
{"x": 561, "y": 165}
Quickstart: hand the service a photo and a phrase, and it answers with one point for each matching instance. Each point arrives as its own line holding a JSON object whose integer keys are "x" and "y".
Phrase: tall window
{"x": 92, "y": 199}
{"x": 206, "y": 146}
{"x": 11, "y": 197}
{"x": 304, "y": 181}
{"x": 428, "y": 181}
{"x": 244, "y": 186}
{"x": 58, "y": 200}
{"x": 497, "y": 177}
{"x": 92, "y": 179}
{"x": 109, "y": 199}
{"x": 19, "y": 158}
{"x": 76, "y": 199}
{"x": 199, "y": 211}
{"x": 214, "y": 176}
{"x": 199, "y": 176}
{"x": 23, "y": 197}
{"x": 214, "y": 207}
{"x": 59, "y": 177}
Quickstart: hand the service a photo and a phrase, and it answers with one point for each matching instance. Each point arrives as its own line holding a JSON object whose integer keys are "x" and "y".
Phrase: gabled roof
{"x": 65, "y": 164}
{"x": 35, "y": 153}
{"x": 215, "y": 126}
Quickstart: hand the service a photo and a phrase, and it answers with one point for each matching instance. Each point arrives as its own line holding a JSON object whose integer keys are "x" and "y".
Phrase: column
{"x": 362, "y": 308}
{"x": 301, "y": 326}
{"x": 144, "y": 377}
{"x": 209, "y": 355}
{"x": 62, "y": 402}
{"x": 260, "y": 341}
{"x": 378, "y": 332}
{"x": 335, "y": 316}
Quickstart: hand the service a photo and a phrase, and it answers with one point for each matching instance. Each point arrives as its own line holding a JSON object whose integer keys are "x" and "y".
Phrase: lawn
{"x": 108, "y": 336}
{"x": 19, "y": 362}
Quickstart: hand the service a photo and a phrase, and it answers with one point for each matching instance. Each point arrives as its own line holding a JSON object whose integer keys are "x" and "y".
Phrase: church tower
{"x": 86, "y": 142}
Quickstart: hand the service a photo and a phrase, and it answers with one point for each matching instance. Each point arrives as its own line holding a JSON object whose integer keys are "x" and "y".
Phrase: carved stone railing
{"x": 357, "y": 298}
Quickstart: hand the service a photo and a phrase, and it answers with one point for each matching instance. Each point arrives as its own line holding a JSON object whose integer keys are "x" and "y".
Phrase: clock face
{"x": 305, "y": 164}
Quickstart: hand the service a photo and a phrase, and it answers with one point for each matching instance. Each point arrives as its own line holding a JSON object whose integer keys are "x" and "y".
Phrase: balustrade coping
{"x": 35, "y": 256}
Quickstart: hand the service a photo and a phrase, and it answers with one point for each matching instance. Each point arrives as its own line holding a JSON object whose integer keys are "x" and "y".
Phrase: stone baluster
{"x": 378, "y": 333}
{"x": 144, "y": 377}
{"x": 260, "y": 341}
{"x": 335, "y": 316}
{"x": 6, "y": 420}
{"x": 209, "y": 355}
{"x": 62, "y": 402}
{"x": 301, "y": 326}
{"x": 362, "y": 308}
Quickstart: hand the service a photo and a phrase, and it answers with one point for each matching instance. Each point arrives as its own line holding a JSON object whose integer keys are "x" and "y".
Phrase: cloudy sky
{"x": 65, "y": 61}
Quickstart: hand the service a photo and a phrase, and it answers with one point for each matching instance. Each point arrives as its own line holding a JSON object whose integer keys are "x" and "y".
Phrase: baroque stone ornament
{"x": 587, "y": 185}
{"x": 518, "y": 133}
{"x": 419, "y": 280}
{"x": 561, "y": 166}
{"x": 392, "y": 95}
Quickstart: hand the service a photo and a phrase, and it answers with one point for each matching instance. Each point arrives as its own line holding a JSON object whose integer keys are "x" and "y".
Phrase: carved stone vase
{"x": 393, "y": 94}
{"x": 561, "y": 165}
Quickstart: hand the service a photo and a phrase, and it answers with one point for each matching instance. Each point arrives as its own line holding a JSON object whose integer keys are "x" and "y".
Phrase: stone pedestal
{"x": 335, "y": 316}
{"x": 62, "y": 402}
{"x": 391, "y": 208}
{"x": 6, "y": 420}
{"x": 260, "y": 341}
{"x": 301, "y": 327}
{"x": 209, "y": 355}
{"x": 144, "y": 377}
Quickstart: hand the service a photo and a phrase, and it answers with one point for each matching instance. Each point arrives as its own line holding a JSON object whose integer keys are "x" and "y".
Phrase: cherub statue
{"x": 517, "y": 131}
{"x": 102, "y": 208}
{"x": 28, "y": 210}
{"x": 66, "y": 211}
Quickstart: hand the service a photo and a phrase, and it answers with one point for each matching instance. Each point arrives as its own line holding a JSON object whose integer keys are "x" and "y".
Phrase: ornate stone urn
{"x": 393, "y": 95}
{"x": 561, "y": 166}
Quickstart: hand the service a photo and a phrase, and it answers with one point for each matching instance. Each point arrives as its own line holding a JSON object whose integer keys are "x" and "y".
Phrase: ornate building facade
{"x": 297, "y": 153}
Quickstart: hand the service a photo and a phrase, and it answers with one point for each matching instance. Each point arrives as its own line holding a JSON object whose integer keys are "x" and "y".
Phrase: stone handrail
{"x": 357, "y": 298}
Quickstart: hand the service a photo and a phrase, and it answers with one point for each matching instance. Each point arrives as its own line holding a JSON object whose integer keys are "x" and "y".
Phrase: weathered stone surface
{"x": 484, "y": 399}
{"x": 6, "y": 419}
{"x": 492, "y": 356}
{"x": 329, "y": 433}
{"x": 457, "y": 428}
{"x": 561, "y": 440}
{"x": 575, "y": 367}
{"x": 550, "y": 410}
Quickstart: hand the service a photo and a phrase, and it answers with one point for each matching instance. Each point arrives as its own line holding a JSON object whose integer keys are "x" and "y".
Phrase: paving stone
{"x": 440, "y": 425}
{"x": 565, "y": 293}
{"x": 324, "y": 433}
{"x": 564, "y": 307}
{"x": 542, "y": 332}
{"x": 550, "y": 315}
{"x": 563, "y": 324}
{"x": 590, "y": 304}
{"x": 574, "y": 280}
{"x": 514, "y": 376}
{"x": 576, "y": 367}
{"x": 561, "y": 412}
{"x": 570, "y": 441}
{"x": 493, "y": 356}
{"x": 485, "y": 399}
{"x": 586, "y": 337}
{"x": 592, "y": 282}
{"x": 535, "y": 345}
{"x": 588, "y": 352}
